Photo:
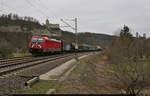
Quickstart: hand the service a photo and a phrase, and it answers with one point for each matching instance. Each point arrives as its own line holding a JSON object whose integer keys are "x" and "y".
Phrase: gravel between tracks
{"x": 15, "y": 83}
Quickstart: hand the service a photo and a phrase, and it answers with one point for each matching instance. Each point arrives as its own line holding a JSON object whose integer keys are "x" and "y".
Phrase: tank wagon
{"x": 41, "y": 45}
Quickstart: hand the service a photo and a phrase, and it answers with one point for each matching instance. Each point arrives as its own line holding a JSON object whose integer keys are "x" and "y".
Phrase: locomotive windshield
{"x": 37, "y": 40}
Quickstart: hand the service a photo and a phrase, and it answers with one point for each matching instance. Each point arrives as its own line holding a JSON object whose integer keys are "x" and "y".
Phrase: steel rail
{"x": 8, "y": 71}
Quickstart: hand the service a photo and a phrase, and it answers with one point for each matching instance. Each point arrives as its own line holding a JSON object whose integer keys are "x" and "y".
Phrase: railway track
{"x": 10, "y": 68}
{"x": 11, "y": 60}
{"x": 13, "y": 78}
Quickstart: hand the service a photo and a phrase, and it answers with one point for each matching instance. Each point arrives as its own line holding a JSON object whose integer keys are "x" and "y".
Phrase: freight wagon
{"x": 68, "y": 47}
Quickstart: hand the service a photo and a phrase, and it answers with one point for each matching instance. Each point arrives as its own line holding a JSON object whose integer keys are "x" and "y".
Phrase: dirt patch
{"x": 91, "y": 76}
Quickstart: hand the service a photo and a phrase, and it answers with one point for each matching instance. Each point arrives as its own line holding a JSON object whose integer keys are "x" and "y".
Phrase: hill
{"x": 25, "y": 23}
{"x": 88, "y": 38}
{"x": 15, "y": 33}
{"x": 15, "y": 23}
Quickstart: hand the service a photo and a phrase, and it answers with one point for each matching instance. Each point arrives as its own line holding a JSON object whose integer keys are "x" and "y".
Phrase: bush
{"x": 6, "y": 49}
{"x": 107, "y": 53}
{"x": 13, "y": 42}
{"x": 129, "y": 65}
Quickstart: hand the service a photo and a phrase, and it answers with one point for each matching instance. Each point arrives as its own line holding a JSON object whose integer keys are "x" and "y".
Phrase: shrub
{"x": 107, "y": 53}
{"x": 6, "y": 49}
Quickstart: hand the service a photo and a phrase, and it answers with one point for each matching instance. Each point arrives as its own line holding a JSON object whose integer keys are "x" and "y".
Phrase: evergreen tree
{"x": 125, "y": 36}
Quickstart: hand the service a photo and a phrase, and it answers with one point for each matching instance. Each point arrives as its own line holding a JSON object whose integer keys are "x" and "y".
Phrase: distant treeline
{"x": 88, "y": 38}
{"x": 24, "y": 22}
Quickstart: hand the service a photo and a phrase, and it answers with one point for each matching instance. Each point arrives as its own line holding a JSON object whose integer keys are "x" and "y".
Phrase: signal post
{"x": 75, "y": 28}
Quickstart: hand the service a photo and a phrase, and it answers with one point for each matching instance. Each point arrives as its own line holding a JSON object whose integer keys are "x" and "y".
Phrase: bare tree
{"x": 129, "y": 65}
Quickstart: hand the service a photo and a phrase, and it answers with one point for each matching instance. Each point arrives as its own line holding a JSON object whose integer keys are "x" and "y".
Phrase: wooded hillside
{"x": 13, "y": 40}
{"x": 24, "y": 22}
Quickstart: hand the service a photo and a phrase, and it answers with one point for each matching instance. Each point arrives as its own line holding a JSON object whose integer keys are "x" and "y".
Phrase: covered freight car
{"x": 67, "y": 46}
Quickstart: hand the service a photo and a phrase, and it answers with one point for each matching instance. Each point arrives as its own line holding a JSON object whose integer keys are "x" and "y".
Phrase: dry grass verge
{"x": 91, "y": 76}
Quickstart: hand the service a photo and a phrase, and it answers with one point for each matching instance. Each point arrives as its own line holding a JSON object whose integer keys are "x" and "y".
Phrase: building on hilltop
{"x": 53, "y": 29}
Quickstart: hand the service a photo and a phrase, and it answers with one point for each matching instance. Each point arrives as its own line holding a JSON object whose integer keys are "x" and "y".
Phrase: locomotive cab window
{"x": 37, "y": 40}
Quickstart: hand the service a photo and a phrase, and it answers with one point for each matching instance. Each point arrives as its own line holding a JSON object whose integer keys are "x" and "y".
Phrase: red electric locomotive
{"x": 40, "y": 44}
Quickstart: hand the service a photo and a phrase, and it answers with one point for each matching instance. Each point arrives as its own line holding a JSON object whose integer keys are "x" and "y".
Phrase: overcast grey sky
{"x": 99, "y": 16}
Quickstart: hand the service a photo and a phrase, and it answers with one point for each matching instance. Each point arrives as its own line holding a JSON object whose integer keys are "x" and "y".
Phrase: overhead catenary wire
{"x": 4, "y": 6}
{"x": 43, "y": 12}
{"x": 48, "y": 9}
{"x": 16, "y": 10}
{"x": 1, "y": 3}
{"x": 54, "y": 18}
{"x": 4, "y": 9}
{"x": 40, "y": 11}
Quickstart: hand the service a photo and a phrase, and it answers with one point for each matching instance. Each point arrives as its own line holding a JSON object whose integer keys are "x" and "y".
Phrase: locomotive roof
{"x": 54, "y": 40}
{"x": 51, "y": 39}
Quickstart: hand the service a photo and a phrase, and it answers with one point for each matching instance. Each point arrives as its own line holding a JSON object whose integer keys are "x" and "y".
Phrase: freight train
{"x": 42, "y": 45}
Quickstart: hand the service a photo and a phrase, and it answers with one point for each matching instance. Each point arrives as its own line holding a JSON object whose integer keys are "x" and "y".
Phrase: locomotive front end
{"x": 36, "y": 45}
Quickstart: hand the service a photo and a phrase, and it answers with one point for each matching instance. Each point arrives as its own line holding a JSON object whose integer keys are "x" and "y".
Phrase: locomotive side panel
{"x": 53, "y": 46}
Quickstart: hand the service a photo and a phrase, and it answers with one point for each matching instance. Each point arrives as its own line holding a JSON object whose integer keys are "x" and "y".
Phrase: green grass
{"x": 61, "y": 86}
{"x": 41, "y": 87}
{"x": 79, "y": 72}
{"x": 76, "y": 71}
{"x": 21, "y": 54}
{"x": 80, "y": 68}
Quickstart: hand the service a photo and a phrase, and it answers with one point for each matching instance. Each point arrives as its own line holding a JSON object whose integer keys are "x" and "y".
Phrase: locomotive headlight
{"x": 39, "y": 46}
{"x": 33, "y": 45}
